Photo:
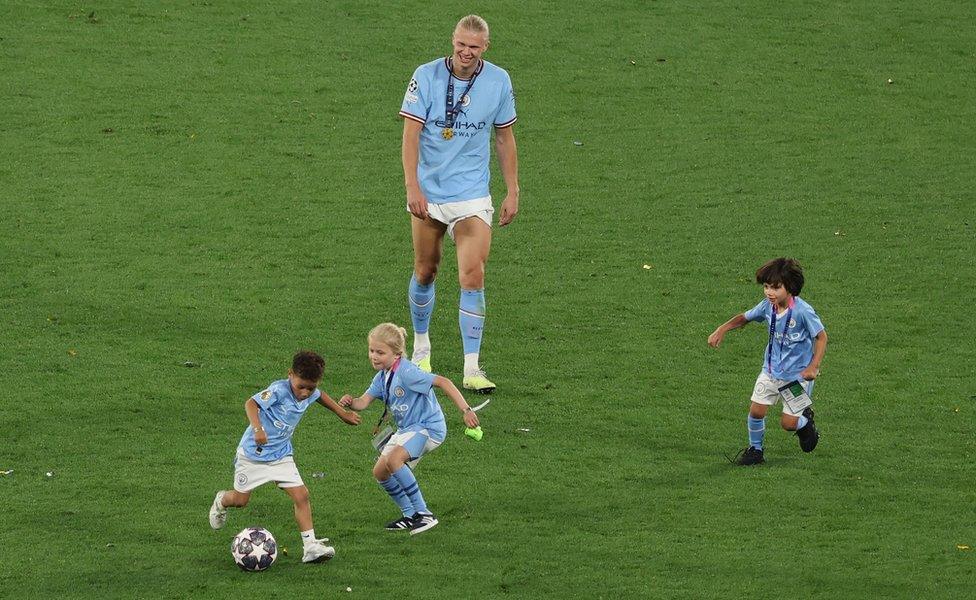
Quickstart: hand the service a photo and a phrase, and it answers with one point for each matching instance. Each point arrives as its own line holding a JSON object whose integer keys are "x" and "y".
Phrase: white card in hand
{"x": 795, "y": 397}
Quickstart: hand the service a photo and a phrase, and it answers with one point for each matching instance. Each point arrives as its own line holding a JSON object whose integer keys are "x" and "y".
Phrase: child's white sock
{"x": 308, "y": 537}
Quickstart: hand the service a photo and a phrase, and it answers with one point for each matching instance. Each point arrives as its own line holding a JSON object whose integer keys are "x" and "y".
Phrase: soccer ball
{"x": 254, "y": 549}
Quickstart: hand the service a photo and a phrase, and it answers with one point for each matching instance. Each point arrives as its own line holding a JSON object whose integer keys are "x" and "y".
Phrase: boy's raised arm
{"x": 735, "y": 322}
{"x": 349, "y": 417}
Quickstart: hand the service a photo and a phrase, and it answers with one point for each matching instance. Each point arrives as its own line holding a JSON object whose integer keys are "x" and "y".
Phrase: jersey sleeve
{"x": 417, "y": 381}
{"x": 267, "y": 398}
{"x": 505, "y": 116}
{"x": 757, "y": 312}
{"x": 812, "y": 323}
{"x": 375, "y": 388}
{"x": 416, "y": 100}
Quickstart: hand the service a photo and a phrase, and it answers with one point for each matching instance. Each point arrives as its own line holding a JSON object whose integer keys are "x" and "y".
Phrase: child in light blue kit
{"x": 791, "y": 362}
{"x": 264, "y": 454}
{"x": 409, "y": 396}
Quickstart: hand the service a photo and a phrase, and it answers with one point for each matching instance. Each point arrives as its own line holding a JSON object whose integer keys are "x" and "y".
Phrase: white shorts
{"x": 767, "y": 390}
{"x": 417, "y": 443}
{"x": 452, "y": 213}
{"x": 251, "y": 474}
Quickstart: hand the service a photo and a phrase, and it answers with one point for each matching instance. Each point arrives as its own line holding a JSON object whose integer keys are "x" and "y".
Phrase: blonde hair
{"x": 473, "y": 23}
{"x": 390, "y": 334}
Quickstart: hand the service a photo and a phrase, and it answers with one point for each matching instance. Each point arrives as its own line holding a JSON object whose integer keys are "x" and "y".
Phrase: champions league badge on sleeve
{"x": 266, "y": 394}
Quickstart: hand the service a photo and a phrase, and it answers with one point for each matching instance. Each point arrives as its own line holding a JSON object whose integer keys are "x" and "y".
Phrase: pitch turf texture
{"x": 190, "y": 192}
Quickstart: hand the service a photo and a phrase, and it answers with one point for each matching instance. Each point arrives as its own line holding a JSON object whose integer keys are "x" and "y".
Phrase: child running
{"x": 265, "y": 452}
{"x": 796, "y": 346}
{"x": 408, "y": 394}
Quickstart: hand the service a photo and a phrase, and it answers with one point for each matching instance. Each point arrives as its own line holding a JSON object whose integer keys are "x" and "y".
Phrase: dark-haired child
{"x": 264, "y": 453}
{"x": 791, "y": 362}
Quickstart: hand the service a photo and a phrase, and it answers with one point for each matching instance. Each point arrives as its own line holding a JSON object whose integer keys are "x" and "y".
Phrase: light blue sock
{"x": 801, "y": 422}
{"x": 411, "y": 488}
{"x": 395, "y": 490}
{"x": 471, "y": 318}
{"x": 757, "y": 430}
{"x": 421, "y": 304}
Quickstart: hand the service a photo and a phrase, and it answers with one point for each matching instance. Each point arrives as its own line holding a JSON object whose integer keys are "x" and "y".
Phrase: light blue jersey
{"x": 280, "y": 413}
{"x": 456, "y": 169}
{"x": 792, "y": 353}
{"x": 411, "y": 398}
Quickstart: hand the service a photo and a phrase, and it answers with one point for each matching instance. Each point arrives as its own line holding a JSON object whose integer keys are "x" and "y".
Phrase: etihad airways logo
{"x": 462, "y": 126}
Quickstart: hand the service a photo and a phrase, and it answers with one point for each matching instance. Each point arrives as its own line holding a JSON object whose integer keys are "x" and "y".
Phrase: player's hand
{"x": 350, "y": 418}
{"x": 715, "y": 339}
{"x": 510, "y": 207}
{"x": 810, "y": 373}
{"x": 417, "y": 203}
{"x": 346, "y": 400}
{"x": 260, "y": 437}
{"x": 470, "y": 419}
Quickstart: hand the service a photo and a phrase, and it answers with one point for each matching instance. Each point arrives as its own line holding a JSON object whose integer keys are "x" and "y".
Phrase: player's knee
{"x": 473, "y": 277}
{"x": 425, "y": 273}
{"x": 300, "y": 496}
{"x": 380, "y": 470}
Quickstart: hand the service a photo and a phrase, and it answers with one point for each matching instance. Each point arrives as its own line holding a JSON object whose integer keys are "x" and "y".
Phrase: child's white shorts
{"x": 251, "y": 474}
{"x": 767, "y": 390}
{"x": 452, "y": 213}
{"x": 417, "y": 443}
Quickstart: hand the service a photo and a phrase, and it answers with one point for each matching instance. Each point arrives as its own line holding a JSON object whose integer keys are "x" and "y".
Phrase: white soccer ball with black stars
{"x": 254, "y": 549}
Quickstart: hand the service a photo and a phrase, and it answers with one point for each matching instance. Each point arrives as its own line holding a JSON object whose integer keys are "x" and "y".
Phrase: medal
{"x": 447, "y": 133}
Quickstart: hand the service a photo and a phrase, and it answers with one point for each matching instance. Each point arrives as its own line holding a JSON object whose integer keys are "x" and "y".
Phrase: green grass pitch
{"x": 191, "y": 191}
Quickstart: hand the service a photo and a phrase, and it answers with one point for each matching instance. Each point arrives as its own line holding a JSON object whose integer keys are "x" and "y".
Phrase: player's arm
{"x": 410, "y": 155}
{"x": 349, "y": 417}
{"x": 251, "y": 409}
{"x": 735, "y": 322}
{"x": 819, "y": 348}
{"x": 355, "y": 403}
{"x": 448, "y": 387}
{"x": 508, "y": 161}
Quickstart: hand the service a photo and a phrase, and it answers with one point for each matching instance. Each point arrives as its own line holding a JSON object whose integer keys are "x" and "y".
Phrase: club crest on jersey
{"x": 399, "y": 392}
{"x": 465, "y": 100}
{"x": 266, "y": 394}
{"x": 792, "y": 323}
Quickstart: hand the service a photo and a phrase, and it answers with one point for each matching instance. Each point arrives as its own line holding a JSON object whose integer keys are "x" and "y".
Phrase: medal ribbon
{"x": 386, "y": 396}
{"x": 451, "y": 109}
{"x": 772, "y": 336}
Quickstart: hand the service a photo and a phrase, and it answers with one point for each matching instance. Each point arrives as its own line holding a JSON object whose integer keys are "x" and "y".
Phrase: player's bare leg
{"x": 315, "y": 550}
{"x": 472, "y": 236}
{"x": 428, "y": 236}
{"x": 303, "y": 507}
